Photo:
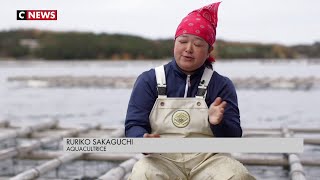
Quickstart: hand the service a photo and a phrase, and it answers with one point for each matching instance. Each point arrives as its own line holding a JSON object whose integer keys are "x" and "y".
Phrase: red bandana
{"x": 201, "y": 22}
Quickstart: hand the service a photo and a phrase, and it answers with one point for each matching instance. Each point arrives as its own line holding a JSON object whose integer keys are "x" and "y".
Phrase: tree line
{"x": 40, "y": 44}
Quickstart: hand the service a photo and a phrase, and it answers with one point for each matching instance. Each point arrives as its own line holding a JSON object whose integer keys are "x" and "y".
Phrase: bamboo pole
{"x": 4, "y": 177}
{"x": 47, "y": 166}
{"x": 53, "y": 164}
{"x": 305, "y": 130}
{"x": 245, "y": 159}
{"x": 43, "y": 155}
{"x": 119, "y": 172}
{"x": 93, "y": 133}
{"x": 296, "y": 169}
{"x": 261, "y": 134}
{"x": 272, "y": 161}
{"x": 295, "y": 130}
{"x": 111, "y": 127}
{"x": 14, "y": 151}
{"x": 262, "y": 129}
{"x": 311, "y": 141}
{"x": 28, "y": 130}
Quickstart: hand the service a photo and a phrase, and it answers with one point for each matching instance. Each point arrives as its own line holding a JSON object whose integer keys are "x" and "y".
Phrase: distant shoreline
{"x": 27, "y": 44}
{"x": 265, "y": 60}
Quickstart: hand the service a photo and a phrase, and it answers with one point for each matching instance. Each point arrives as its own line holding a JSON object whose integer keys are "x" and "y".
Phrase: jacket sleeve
{"x": 140, "y": 105}
{"x": 230, "y": 124}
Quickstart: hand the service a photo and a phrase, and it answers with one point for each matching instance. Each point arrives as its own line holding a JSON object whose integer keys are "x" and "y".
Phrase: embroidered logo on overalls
{"x": 181, "y": 119}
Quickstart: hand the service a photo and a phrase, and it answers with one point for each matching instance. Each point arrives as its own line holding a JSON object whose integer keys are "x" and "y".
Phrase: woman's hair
{"x": 208, "y": 63}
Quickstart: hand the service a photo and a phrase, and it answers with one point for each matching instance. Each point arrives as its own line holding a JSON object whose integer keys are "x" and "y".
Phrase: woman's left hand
{"x": 216, "y": 111}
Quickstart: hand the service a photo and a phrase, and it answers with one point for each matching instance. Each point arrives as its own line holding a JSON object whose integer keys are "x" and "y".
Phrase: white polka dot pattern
{"x": 201, "y": 22}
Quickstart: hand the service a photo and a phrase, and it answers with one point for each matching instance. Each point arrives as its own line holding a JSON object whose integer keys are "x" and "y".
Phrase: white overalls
{"x": 185, "y": 117}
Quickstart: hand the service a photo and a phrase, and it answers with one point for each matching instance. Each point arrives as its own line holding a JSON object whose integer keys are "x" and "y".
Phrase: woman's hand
{"x": 147, "y": 135}
{"x": 216, "y": 111}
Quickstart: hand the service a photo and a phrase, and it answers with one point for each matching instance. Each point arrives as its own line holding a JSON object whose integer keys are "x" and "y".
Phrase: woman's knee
{"x": 238, "y": 170}
{"x": 243, "y": 175}
{"x": 222, "y": 167}
{"x": 141, "y": 168}
{"x": 151, "y": 169}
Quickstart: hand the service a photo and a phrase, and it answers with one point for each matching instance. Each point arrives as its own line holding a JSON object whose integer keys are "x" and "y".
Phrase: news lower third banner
{"x": 183, "y": 145}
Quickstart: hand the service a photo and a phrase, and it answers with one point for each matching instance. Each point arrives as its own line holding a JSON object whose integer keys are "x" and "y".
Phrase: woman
{"x": 173, "y": 100}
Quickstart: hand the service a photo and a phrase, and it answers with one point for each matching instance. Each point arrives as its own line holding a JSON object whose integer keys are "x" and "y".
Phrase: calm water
{"x": 258, "y": 108}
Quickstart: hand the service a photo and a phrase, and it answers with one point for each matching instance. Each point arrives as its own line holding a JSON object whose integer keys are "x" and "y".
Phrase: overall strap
{"x": 205, "y": 79}
{"x": 161, "y": 81}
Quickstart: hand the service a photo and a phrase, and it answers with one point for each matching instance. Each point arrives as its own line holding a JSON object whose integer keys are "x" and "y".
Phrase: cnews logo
{"x": 37, "y": 14}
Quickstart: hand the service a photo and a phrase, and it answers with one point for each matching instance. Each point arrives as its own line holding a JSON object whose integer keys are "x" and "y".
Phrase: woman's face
{"x": 190, "y": 52}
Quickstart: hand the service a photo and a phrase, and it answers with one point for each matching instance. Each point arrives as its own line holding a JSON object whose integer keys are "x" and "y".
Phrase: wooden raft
{"x": 48, "y": 133}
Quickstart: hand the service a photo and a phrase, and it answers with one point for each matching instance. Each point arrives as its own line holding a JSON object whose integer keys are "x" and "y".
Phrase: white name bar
{"x": 183, "y": 145}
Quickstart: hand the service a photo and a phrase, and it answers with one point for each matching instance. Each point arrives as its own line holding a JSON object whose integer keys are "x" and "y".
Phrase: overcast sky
{"x": 286, "y": 22}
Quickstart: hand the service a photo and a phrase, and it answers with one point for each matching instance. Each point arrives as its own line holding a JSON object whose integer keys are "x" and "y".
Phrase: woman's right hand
{"x": 147, "y": 135}
{"x": 216, "y": 111}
